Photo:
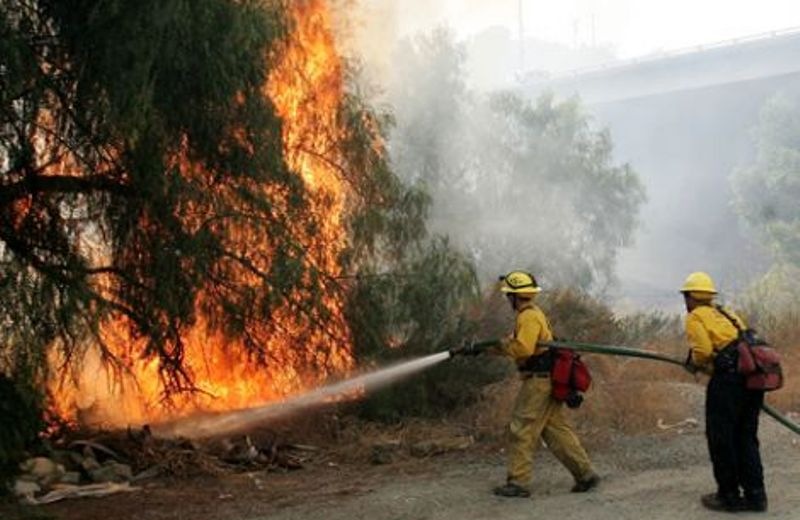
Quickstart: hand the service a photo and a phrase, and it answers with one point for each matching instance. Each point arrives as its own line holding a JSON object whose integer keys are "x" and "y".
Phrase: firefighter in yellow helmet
{"x": 536, "y": 414}
{"x": 731, "y": 409}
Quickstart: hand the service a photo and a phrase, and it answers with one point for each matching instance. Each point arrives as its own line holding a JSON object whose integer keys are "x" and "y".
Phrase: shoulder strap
{"x": 731, "y": 319}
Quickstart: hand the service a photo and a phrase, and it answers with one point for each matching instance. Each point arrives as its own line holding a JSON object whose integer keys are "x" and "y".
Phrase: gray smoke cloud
{"x": 683, "y": 122}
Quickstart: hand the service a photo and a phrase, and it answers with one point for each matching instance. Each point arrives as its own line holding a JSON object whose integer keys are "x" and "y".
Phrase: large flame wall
{"x": 306, "y": 87}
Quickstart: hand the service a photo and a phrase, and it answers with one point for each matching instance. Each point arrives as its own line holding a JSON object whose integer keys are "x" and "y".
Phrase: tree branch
{"x": 61, "y": 184}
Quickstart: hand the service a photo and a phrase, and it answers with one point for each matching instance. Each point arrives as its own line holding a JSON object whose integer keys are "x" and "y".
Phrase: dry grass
{"x": 628, "y": 396}
{"x": 631, "y": 406}
{"x": 788, "y": 397}
{"x": 632, "y": 396}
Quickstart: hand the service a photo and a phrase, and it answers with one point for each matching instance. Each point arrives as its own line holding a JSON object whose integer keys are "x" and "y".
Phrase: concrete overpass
{"x": 751, "y": 58}
{"x": 684, "y": 121}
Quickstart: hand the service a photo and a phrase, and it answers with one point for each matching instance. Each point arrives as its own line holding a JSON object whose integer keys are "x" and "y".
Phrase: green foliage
{"x": 110, "y": 219}
{"x": 514, "y": 183}
{"x": 165, "y": 185}
{"x": 445, "y": 388}
{"x": 577, "y": 316}
{"x": 574, "y": 315}
{"x": 21, "y": 412}
{"x": 101, "y": 101}
{"x": 430, "y": 97}
{"x": 565, "y": 204}
{"x": 409, "y": 293}
{"x": 418, "y": 310}
{"x": 647, "y": 328}
{"x": 766, "y": 192}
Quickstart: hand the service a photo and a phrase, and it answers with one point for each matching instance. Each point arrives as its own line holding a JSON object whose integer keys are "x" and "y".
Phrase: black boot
{"x": 755, "y": 501}
{"x": 512, "y": 490}
{"x": 722, "y": 502}
{"x": 585, "y": 484}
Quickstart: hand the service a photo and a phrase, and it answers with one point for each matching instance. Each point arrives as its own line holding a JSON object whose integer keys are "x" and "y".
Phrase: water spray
{"x": 209, "y": 425}
{"x": 214, "y": 424}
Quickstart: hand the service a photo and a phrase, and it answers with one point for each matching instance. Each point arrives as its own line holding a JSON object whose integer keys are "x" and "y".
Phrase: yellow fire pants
{"x": 536, "y": 414}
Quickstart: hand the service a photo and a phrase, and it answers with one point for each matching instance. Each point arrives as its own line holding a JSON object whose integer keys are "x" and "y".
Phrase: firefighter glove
{"x": 689, "y": 364}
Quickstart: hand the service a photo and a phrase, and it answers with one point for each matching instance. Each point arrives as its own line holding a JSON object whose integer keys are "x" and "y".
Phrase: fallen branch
{"x": 66, "y": 491}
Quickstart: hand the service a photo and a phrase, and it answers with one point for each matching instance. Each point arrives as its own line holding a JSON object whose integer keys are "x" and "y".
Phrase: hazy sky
{"x": 633, "y": 27}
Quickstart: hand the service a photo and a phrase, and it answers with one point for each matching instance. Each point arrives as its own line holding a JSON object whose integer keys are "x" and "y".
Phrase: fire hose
{"x": 615, "y": 350}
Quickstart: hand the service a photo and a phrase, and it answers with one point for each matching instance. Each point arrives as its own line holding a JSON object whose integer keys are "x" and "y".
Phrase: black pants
{"x": 732, "y": 433}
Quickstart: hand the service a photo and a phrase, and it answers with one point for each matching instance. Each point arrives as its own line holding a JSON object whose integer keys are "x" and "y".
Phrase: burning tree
{"x": 183, "y": 188}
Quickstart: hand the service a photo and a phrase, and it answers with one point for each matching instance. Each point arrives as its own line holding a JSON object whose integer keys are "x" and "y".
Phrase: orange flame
{"x": 306, "y": 87}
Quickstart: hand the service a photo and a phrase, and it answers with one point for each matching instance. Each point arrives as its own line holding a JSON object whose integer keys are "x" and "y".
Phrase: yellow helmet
{"x": 519, "y": 282}
{"x": 701, "y": 283}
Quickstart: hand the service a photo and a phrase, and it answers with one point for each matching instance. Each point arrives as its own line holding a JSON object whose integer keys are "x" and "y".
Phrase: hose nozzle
{"x": 470, "y": 347}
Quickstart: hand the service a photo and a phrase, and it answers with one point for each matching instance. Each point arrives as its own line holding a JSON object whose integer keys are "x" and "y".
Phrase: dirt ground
{"x": 657, "y": 476}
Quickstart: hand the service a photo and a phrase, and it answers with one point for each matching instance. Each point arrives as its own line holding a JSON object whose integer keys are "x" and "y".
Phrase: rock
{"x": 286, "y": 461}
{"x": 37, "y": 466}
{"x": 95, "y": 450}
{"x": 240, "y": 451}
{"x": 90, "y": 464}
{"x": 152, "y": 472}
{"x": 143, "y": 436}
{"x": 77, "y": 460}
{"x": 302, "y": 447}
{"x": 69, "y": 459}
{"x": 88, "y": 452}
{"x": 43, "y": 470}
{"x": 384, "y": 453}
{"x": 24, "y": 488}
{"x": 111, "y": 471}
{"x": 71, "y": 477}
{"x": 424, "y": 449}
{"x": 437, "y": 447}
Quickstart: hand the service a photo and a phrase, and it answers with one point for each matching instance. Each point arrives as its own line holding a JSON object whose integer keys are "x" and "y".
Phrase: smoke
{"x": 682, "y": 123}
{"x": 494, "y": 55}
{"x": 514, "y": 184}
{"x": 371, "y": 30}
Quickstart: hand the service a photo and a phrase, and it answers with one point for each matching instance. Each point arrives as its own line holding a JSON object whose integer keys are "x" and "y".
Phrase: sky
{"x": 632, "y": 27}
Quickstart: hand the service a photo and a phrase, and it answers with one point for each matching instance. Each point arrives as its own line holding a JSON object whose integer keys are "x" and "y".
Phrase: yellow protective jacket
{"x": 708, "y": 331}
{"x": 531, "y": 327}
